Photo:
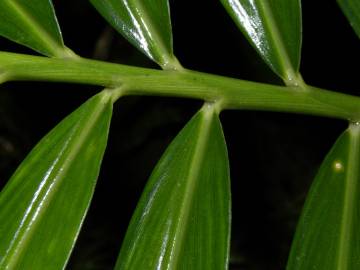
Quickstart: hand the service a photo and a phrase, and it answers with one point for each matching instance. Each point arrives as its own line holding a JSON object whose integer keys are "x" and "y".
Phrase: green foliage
{"x": 183, "y": 218}
{"x": 44, "y": 203}
{"x": 33, "y": 24}
{"x": 351, "y": 9}
{"x": 146, "y": 24}
{"x": 327, "y": 233}
{"x": 192, "y": 181}
{"x": 274, "y": 29}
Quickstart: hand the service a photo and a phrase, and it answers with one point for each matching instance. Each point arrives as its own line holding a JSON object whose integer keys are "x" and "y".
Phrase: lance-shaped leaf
{"x": 146, "y": 24}
{"x": 273, "y": 27}
{"x": 33, "y": 24}
{"x": 183, "y": 218}
{"x": 327, "y": 237}
{"x": 44, "y": 203}
{"x": 351, "y": 9}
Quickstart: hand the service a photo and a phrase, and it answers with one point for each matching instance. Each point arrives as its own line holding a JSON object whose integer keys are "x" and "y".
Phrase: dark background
{"x": 273, "y": 156}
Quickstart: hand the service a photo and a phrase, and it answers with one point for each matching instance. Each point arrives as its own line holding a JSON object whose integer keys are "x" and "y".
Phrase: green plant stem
{"x": 229, "y": 93}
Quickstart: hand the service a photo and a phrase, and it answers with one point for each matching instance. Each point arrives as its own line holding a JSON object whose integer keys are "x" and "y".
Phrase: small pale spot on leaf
{"x": 338, "y": 166}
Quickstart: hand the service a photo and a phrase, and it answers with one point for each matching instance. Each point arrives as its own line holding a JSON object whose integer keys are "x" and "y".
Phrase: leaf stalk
{"x": 230, "y": 93}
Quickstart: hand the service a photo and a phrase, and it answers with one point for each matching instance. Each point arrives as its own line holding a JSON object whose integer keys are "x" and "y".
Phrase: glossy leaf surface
{"x": 183, "y": 218}
{"x": 273, "y": 27}
{"x": 33, "y": 24}
{"x": 146, "y": 24}
{"x": 327, "y": 236}
{"x": 351, "y": 9}
{"x": 44, "y": 203}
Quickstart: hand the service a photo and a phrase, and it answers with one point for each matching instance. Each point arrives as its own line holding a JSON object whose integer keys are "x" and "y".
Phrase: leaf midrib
{"x": 284, "y": 58}
{"x": 351, "y": 178}
{"x": 193, "y": 174}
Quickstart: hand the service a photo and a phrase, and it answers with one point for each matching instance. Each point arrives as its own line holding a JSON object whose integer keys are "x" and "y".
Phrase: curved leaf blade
{"x": 183, "y": 217}
{"x": 351, "y": 9}
{"x": 274, "y": 29}
{"x": 327, "y": 234}
{"x": 33, "y": 24}
{"x": 44, "y": 203}
{"x": 146, "y": 24}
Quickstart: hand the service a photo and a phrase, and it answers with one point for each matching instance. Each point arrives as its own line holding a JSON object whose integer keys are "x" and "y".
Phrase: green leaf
{"x": 146, "y": 24}
{"x": 33, "y": 24}
{"x": 274, "y": 29}
{"x": 44, "y": 203}
{"x": 351, "y": 9}
{"x": 183, "y": 218}
{"x": 327, "y": 235}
